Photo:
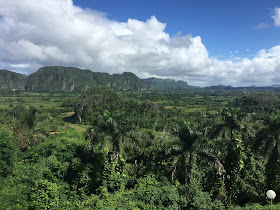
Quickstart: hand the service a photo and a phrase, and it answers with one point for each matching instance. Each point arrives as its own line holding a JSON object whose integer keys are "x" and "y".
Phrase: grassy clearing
{"x": 196, "y": 109}
{"x": 177, "y": 107}
{"x": 80, "y": 128}
{"x": 45, "y": 103}
{"x": 40, "y": 101}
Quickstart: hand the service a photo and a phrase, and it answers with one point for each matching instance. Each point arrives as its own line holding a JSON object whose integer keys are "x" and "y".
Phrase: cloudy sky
{"x": 234, "y": 42}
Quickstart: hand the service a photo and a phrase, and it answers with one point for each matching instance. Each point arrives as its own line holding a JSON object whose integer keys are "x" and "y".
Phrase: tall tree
{"x": 267, "y": 142}
{"x": 109, "y": 137}
{"x": 229, "y": 133}
{"x": 269, "y": 136}
{"x": 24, "y": 121}
{"x": 191, "y": 152}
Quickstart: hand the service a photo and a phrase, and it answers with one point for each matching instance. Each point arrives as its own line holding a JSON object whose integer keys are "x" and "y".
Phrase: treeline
{"x": 139, "y": 155}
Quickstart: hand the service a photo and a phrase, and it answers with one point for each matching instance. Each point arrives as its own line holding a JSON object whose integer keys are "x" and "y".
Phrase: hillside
{"x": 11, "y": 80}
{"x": 167, "y": 84}
{"x": 71, "y": 79}
{"x": 128, "y": 80}
{"x": 256, "y": 102}
{"x": 67, "y": 79}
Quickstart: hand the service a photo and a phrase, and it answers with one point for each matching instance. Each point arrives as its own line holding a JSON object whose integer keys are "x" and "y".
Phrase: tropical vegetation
{"x": 103, "y": 149}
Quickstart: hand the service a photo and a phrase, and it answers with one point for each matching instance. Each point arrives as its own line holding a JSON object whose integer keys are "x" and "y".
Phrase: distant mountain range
{"x": 251, "y": 88}
{"x": 167, "y": 84}
{"x": 70, "y": 79}
{"x": 67, "y": 79}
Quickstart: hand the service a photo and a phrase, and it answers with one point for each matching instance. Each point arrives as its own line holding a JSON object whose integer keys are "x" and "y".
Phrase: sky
{"x": 202, "y": 42}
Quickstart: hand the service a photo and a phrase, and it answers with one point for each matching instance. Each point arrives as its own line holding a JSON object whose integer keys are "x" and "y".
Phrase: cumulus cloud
{"x": 276, "y": 16}
{"x": 56, "y": 32}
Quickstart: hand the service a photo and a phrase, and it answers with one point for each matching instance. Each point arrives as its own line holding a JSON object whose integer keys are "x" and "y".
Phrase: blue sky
{"x": 225, "y": 26}
{"x": 202, "y": 42}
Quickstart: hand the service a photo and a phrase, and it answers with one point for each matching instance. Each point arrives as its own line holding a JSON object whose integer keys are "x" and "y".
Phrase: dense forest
{"x": 101, "y": 149}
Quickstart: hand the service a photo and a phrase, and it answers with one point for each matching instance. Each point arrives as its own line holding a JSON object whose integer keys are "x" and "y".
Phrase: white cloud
{"x": 56, "y": 32}
{"x": 262, "y": 26}
{"x": 21, "y": 65}
{"x": 276, "y": 17}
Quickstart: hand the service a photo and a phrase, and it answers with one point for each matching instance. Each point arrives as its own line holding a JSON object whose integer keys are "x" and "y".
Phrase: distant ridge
{"x": 167, "y": 84}
{"x": 11, "y": 80}
{"x": 251, "y": 88}
{"x": 69, "y": 79}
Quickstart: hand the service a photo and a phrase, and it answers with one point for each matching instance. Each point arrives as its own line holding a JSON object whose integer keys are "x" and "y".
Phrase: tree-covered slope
{"x": 11, "y": 80}
{"x": 167, "y": 84}
{"x": 127, "y": 81}
{"x": 71, "y": 79}
{"x": 58, "y": 78}
{"x": 96, "y": 99}
{"x": 268, "y": 102}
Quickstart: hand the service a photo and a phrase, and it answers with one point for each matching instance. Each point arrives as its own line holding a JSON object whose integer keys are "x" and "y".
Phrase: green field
{"x": 37, "y": 100}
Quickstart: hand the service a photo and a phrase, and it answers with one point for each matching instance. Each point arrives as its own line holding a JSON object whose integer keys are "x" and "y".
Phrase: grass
{"x": 80, "y": 128}
{"x": 196, "y": 109}
{"x": 46, "y": 103}
{"x": 37, "y": 100}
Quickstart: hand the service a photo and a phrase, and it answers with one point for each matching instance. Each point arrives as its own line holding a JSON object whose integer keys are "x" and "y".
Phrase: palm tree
{"x": 233, "y": 134}
{"x": 189, "y": 146}
{"x": 268, "y": 137}
{"x": 24, "y": 124}
{"x": 232, "y": 122}
{"x": 110, "y": 137}
{"x": 267, "y": 142}
{"x": 185, "y": 152}
{"x": 191, "y": 153}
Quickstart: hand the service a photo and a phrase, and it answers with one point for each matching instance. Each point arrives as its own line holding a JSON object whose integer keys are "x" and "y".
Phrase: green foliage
{"x": 44, "y": 194}
{"x": 137, "y": 154}
{"x": 7, "y": 153}
{"x": 256, "y": 206}
{"x": 68, "y": 103}
{"x": 96, "y": 100}
{"x": 148, "y": 193}
{"x": 156, "y": 194}
{"x": 24, "y": 121}
{"x": 257, "y": 102}
{"x": 13, "y": 196}
{"x": 203, "y": 200}
{"x": 273, "y": 170}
